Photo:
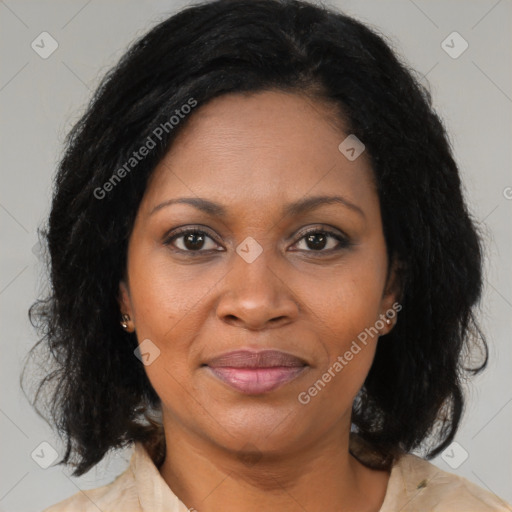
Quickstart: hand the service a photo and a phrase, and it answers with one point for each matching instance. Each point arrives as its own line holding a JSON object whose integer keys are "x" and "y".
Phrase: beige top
{"x": 415, "y": 485}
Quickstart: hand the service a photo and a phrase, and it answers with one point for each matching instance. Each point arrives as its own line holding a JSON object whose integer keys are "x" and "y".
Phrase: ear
{"x": 123, "y": 299}
{"x": 392, "y": 295}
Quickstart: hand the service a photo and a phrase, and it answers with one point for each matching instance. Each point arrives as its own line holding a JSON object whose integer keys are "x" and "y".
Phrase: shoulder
{"x": 140, "y": 487}
{"x": 417, "y": 485}
{"x": 120, "y": 494}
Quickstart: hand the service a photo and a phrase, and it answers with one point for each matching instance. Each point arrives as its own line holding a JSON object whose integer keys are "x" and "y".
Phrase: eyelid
{"x": 323, "y": 229}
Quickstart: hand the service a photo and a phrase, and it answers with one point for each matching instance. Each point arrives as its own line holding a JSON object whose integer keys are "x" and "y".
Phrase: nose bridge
{"x": 254, "y": 293}
{"x": 253, "y": 276}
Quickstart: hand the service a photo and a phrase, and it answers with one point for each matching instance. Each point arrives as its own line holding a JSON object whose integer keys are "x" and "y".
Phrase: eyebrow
{"x": 295, "y": 208}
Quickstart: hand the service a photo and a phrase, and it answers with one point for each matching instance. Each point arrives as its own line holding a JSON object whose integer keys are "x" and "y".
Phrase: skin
{"x": 228, "y": 451}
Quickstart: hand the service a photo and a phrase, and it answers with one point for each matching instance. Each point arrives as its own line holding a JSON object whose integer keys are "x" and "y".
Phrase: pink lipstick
{"x": 256, "y": 372}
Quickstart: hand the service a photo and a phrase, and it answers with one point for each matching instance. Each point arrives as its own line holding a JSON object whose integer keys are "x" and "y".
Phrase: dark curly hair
{"x": 96, "y": 392}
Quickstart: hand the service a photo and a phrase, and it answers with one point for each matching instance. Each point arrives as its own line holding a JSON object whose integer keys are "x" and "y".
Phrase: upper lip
{"x": 255, "y": 359}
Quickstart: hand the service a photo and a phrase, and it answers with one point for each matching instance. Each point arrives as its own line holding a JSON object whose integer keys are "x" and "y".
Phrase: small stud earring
{"x": 388, "y": 321}
{"x": 124, "y": 322}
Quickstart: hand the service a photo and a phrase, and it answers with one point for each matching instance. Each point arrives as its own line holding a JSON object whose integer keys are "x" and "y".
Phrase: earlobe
{"x": 387, "y": 320}
{"x": 126, "y": 323}
{"x": 125, "y": 308}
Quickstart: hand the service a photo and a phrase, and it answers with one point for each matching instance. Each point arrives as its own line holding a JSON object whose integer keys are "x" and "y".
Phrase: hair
{"x": 96, "y": 392}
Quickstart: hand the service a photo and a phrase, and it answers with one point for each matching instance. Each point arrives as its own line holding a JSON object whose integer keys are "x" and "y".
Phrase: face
{"x": 251, "y": 291}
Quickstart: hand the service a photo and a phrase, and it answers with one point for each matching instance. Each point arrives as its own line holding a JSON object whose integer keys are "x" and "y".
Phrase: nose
{"x": 256, "y": 296}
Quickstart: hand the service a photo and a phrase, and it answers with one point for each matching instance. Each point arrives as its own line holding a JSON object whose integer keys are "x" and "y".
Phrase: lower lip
{"x": 254, "y": 381}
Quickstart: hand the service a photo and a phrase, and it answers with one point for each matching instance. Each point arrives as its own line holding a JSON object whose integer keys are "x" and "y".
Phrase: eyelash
{"x": 344, "y": 242}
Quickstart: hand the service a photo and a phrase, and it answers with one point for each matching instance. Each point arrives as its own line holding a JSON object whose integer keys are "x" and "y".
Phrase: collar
{"x": 153, "y": 492}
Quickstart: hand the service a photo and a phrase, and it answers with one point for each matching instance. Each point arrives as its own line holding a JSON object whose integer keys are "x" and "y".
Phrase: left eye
{"x": 319, "y": 239}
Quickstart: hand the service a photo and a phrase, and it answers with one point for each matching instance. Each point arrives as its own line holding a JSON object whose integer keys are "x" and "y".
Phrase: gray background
{"x": 40, "y": 99}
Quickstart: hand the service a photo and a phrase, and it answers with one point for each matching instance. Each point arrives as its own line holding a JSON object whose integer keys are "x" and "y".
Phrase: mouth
{"x": 256, "y": 372}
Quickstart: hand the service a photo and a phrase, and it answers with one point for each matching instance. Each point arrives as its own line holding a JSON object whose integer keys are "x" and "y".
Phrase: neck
{"x": 323, "y": 476}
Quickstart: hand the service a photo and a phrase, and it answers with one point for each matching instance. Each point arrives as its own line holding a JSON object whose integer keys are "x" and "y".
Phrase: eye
{"x": 191, "y": 240}
{"x": 318, "y": 239}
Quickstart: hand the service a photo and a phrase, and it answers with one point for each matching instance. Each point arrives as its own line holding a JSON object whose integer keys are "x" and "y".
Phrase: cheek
{"x": 164, "y": 294}
{"x": 350, "y": 343}
{"x": 346, "y": 315}
{"x": 331, "y": 394}
{"x": 349, "y": 303}
{"x": 169, "y": 304}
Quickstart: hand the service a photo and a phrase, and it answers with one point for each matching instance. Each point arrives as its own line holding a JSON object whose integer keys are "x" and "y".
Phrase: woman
{"x": 263, "y": 272}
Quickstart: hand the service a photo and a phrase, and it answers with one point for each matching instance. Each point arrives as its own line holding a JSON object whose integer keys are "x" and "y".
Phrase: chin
{"x": 262, "y": 428}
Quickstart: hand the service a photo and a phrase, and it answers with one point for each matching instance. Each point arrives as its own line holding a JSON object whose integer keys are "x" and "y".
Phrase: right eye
{"x": 190, "y": 240}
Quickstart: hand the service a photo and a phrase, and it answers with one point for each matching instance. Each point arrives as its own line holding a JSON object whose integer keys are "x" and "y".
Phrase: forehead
{"x": 266, "y": 147}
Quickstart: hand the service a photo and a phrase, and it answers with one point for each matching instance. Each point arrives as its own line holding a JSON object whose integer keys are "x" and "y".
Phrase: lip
{"x": 252, "y": 372}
